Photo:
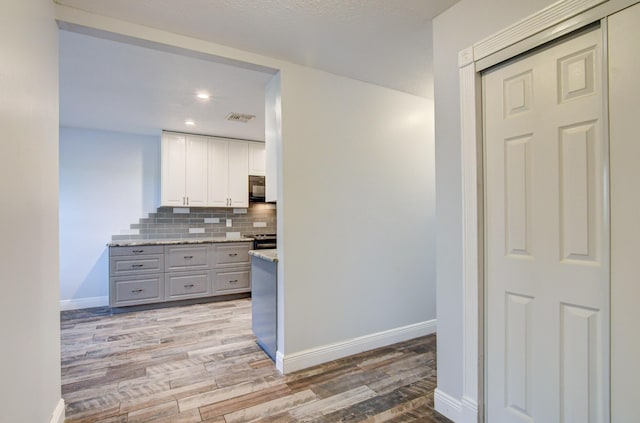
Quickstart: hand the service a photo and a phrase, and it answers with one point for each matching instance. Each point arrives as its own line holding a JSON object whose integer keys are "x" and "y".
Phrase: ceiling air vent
{"x": 240, "y": 117}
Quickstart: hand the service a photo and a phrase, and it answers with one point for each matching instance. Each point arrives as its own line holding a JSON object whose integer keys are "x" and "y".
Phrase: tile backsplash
{"x": 181, "y": 222}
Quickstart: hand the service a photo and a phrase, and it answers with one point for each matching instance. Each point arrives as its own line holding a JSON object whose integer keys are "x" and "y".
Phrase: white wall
{"x": 462, "y": 25}
{"x": 358, "y": 209}
{"x": 355, "y": 203}
{"x": 30, "y": 329}
{"x": 108, "y": 180}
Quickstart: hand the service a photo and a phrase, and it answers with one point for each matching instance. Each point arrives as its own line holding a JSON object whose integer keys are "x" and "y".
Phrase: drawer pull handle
{"x": 189, "y": 286}
{"x": 136, "y": 291}
{"x": 137, "y": 251}
{"x": 188, "y": 257}
{"x": 137, "y": 265}
{"x": 233, "y": 254}
{"x": 234, "y": 281}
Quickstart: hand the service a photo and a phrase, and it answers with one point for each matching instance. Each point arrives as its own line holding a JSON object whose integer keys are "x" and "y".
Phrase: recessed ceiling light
{"x": 189, "y": 122}
{"x": 203, "y": 96}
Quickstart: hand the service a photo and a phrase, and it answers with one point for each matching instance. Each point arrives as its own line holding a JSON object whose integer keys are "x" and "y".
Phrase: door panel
{"x": 624, "y": 112}
{"x": 547, "y": 283}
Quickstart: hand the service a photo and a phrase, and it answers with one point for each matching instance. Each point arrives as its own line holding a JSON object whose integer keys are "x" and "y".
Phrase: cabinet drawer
{"x": 132, "y": 265}
{"x": 187, "y": 285}
{"x": 137, "y": 290}
{"x": 232, "y": 254}
{"x": 136, "y": 251}
{"x": 237, "y": 280}
{"x": 186, "y": 257}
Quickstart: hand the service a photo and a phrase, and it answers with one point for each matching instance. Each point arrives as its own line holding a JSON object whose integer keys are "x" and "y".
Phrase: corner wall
{"x": 358, "y": 204}
{"x": 464, "y": 24}
{"x": 30, "y": 330}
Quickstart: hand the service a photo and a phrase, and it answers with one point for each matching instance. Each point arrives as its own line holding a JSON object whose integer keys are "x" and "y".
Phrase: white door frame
{"x": 550, "y": 23}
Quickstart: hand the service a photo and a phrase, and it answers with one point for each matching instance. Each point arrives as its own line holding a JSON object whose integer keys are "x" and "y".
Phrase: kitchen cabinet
{"x": 136, "y": 275}
{"x": 184, "y": 170}
{"x": 228, "y": 182}
{"x": 160, "y": 273}
{"x": 257, "y": 158}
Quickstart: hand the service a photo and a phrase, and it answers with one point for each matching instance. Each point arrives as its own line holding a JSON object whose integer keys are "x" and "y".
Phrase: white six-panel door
{"x": 546, "y": 231}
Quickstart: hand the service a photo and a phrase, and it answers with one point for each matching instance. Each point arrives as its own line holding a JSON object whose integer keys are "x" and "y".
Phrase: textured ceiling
{"x": 385, "y": 42}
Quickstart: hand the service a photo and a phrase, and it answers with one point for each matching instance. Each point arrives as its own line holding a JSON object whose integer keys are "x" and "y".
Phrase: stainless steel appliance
{"x": 264, "y": 241}
{"x": 256, "y": 189}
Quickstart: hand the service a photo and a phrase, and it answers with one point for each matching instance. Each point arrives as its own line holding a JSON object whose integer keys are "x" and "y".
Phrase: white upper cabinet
{"x": 184, "y": 170}
{"x": 238, "y": 174}
{"x": 196, "y": 183}
{"x": 257, "y": 158}
{"x": 228, "y": 173}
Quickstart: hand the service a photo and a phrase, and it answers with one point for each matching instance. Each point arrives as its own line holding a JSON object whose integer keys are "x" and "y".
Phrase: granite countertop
{"x": 268, "y": 255}
{"x": 169, "y": 241}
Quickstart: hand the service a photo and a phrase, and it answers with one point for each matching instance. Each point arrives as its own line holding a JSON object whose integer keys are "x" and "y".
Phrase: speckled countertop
{"x": 169, "y": 241}
{"x": 269, "y": 255}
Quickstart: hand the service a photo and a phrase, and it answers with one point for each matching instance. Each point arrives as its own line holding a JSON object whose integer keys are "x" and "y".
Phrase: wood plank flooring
{"x": 200, "y": 363}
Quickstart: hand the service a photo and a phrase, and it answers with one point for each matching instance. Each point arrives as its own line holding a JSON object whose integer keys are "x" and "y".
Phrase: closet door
{"x": 547, "y": 251}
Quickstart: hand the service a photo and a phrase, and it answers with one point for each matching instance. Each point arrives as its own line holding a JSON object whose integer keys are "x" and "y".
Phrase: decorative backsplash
{"x": 202, "y": 222}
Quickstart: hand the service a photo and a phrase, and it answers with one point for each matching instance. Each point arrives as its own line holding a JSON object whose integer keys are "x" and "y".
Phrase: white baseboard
{"x": 447, "y": 405}
{"x": 58, "y": 414}
{"x": 76, "y": 304}
{"x": 280, "y": 361}
{"x": 301, "y": 360}
{"x": 459, "y": 411}
{"x": 469, "y": 410}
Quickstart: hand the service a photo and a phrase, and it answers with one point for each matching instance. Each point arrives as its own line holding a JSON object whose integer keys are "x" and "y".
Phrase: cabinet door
{"x": 173, "y": 178}
{"x": 186, "y": 257}
{"x": 218, "y": 189}
{"x": 238, "y": 174}
{"x": 187, "y": 285}
{"x": 257, "y": 159}
{"x": 196, "y": 171}
{"x": 132, "y": 290}
{"x": 232, "y": 281}
{"x": 232, "y": 254}
{"x": 136, "y": 265}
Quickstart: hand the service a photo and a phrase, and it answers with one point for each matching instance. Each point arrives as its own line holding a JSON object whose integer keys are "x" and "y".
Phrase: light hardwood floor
{"x": 201, "y": 363}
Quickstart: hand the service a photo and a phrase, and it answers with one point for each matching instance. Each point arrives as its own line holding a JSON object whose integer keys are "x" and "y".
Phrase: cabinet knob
{"x": 233, "y": 254}
{"x": 189, "y": 286}
{"x": 137, "y": 265}
{"x": 137, "y": 251}
{"x": 188, "y": 257}
{"x": 136, "y": 291}
{"x": 234, "y": 281}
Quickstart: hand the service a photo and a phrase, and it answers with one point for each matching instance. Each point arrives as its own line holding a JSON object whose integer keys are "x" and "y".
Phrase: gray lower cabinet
{"x": 182, "y": 285}
{"x": 157, "y": 273}
{"x": 231, "y": 281}
{"x": 137, "y": 289}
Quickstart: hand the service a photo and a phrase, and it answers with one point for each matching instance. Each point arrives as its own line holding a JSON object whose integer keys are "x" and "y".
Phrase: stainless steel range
{"x": 264, "y": 241}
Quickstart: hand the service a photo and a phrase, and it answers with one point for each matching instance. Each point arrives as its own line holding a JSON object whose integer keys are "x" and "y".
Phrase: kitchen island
{"x": 264, "y": 289}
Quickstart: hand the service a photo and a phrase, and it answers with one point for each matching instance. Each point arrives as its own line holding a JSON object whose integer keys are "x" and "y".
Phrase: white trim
{"x": 78, "y": 303}
{"x": 280, "y": 361}
{"x": 447, "y": 405}
{"x": 58, "y": 415}
{"x": 469, "y": 412}
{"x": 470, "y": 253}
{"x": 544, "y": 19}
{"x": 308, "y": 358}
